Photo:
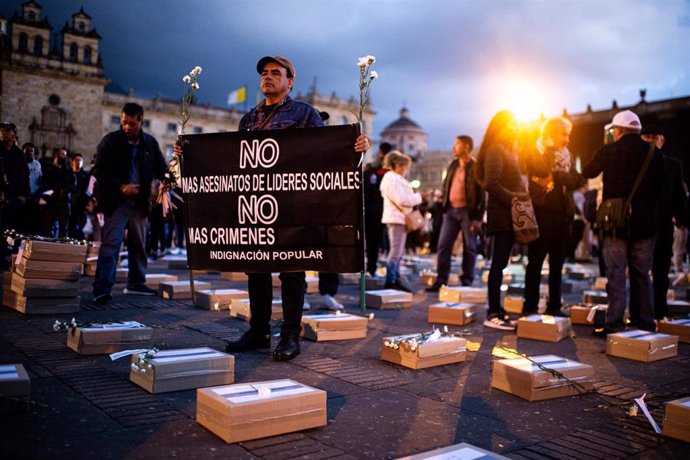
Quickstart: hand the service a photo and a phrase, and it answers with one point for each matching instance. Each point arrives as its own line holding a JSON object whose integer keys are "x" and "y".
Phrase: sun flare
{"x": 525, "y": 98}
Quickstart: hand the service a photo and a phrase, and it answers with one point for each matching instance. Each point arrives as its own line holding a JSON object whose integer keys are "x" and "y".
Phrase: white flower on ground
{"x": 371, "y": 316}
{"x": 56, "y": 325}
{"x": 134, "y": 367}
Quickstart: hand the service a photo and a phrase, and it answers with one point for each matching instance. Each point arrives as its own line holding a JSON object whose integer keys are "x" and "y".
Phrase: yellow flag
{"x": 237, "y": 96}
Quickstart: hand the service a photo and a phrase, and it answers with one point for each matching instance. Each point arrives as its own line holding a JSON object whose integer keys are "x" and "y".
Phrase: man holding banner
{"x": 277, "y": 111}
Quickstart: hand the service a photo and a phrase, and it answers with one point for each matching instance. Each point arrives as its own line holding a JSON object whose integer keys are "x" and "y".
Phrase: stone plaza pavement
{"x": 86, "y": 407}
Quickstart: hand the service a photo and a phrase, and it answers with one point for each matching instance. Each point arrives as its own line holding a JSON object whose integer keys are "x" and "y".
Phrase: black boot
{"x": 287, "y": 348}
{"x": 250, "y": 340}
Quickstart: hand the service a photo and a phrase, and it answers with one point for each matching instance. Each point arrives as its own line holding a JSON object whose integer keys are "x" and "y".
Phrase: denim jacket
{"x": 289, "y": 114}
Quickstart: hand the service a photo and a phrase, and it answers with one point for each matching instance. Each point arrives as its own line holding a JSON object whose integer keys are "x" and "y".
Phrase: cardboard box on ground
{"x": 333, "y": 327}
{"x": 98, "y": 339}
{"x": 642, "y": 346}
{"x": 180, "y": 290}
{"x": 462, "y": 294}
{"x": 240, "y": 308}
{"x": 462, "y": 451}
{"x": 446, "y": 350}
{"x": 14, "y": 389}
{"x": 677, "y": 419}
{"x": 255, "y": 410}
{"x": 388, "y": 299}
{"x": 452, "y": 313}
{"x": 534, "y": 380}
{"x": 218, "y": 299}
{"x": 544, "y": 327}
{"x": 679, "y": 327}
{"x": 185, "y": 369}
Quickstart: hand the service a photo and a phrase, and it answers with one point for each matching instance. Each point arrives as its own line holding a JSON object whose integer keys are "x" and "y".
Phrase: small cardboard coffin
{"x": 35, "y": 287}
{"x": 454, "y": 313}
{"x": 180, "y": 290}
{"x": 595, "y": 297}
{"x": 240, "y": 308}
{"x": 462, "y": 451}
{"x": 446, "y": 350}
{"x": 522, "y": 377}
{"x": 99, "y": 339}
{"x": 218, "y": 299}
{"x": 462, "y": 294}
{"x": 185, "y": 369}
{"x": 388, "y": 299}
{"x": 56, "y": 252}
{"x": 153, "y": 280}
{"x": 546, "y": 328}
{"x": 588, "y": 315}
{"x": 14, "y": 389}
{"x": 642, "y": 345}
{"x": 679, "y": 327}
{"x": 677, "y": 419}
{"x": 44, "y": 269}
{"x": 246, "y": 411}
{"x": 333, "y": 327}
{"x": 40, "y": 305}
{"x": 234, "y": 276}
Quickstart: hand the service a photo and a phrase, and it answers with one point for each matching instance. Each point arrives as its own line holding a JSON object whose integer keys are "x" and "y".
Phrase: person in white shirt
{"x": 398, "y": 200}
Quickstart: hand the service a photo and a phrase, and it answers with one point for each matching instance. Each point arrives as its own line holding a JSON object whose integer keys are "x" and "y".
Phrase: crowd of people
{"x": 639, "y": 215}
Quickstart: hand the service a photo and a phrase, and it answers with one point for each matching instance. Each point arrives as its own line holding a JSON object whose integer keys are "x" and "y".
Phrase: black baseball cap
{"x": 8, "y": 125}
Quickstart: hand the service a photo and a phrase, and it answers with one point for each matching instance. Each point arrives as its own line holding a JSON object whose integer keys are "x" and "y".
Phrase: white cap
{"x": 625, "y": 119}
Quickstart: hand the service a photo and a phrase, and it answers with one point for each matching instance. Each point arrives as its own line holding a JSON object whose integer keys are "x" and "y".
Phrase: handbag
{"x": 613, "y": 214}
{"x": 525, "y": 227}
{"x": 414, "y": 220}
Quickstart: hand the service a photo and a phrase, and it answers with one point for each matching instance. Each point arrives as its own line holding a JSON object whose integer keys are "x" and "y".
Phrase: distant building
{"x": 54, "y": 89}
{"x": 673, "y": 115}
{"x": 407, "y": 136}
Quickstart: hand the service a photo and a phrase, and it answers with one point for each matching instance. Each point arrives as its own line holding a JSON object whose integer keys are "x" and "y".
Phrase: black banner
{"x": 271, "y": 201}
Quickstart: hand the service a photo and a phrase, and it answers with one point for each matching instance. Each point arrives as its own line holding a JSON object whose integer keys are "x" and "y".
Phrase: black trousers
{"x": 661, "y": 265}
{"x": 328, "y": 283}
{"x": 373, "y": 234}
{"x": 292, "y": 289}
{"x": 503, "y": 245}
{"x": 553, "y": 238}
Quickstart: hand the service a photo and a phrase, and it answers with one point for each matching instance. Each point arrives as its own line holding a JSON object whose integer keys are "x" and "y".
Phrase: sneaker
{"x": 499, "y": 323}
{"x": 306, "y": 305}
{"x": 331, "y": 303}
{"x": 139, "y": 290}
{"x": 102, "y": 299}
{"x": 434, "y": 287}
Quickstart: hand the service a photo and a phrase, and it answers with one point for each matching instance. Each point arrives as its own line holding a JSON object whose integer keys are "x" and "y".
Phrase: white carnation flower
{"x": 371, "y": 59}
{"x": 187, "y": 79}
{"x": 363, "y": 61}
{"x": 374, "y": 75}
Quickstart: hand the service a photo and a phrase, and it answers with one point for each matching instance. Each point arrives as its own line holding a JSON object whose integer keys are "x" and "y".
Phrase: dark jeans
{"x": 661, "y": 265}
{"x": 454, "y": 221}
{"x": 503, "y": 245}
{"x": 292, "y": 290}
{"x": 53, "y": 212}
{"x": 128, "y": 215}
{"x": 373, "y": 234}
{"x": 637, "y": 257}
{"x": 328, "y": 283}
{"x": 553, "y": 238}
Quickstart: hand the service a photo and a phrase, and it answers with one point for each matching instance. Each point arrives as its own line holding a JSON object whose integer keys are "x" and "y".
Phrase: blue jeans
{"x": 397, "y": 236}
{"x": 637, "y": 256}
{"x": 454, "y": 221}
{"x": 128, "y": 215}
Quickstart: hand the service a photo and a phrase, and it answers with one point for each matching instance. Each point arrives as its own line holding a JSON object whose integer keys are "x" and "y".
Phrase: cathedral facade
{"x": 53, "y": 87}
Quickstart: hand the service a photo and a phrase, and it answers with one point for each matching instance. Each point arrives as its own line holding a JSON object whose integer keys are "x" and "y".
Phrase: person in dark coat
{"x": 621, "y": 163}
{"x": 671, "y": 210}
{"x": 498, "y": 171}
{"x": 552, "y": 179}
{"x": 127, "y": 161}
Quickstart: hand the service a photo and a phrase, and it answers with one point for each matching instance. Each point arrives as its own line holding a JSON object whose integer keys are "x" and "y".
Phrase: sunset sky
{"x": 452, "y": 63}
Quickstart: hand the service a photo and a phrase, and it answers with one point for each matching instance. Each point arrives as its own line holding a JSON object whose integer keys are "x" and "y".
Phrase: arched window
{"x": 81, "y": 26}
{"x": 38, "y": 45}
{"x": 73, "y": 51}
{"x": 32, "y": 16}
{"x": 23, "y": 45}
{"x": 87, "y": 54}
